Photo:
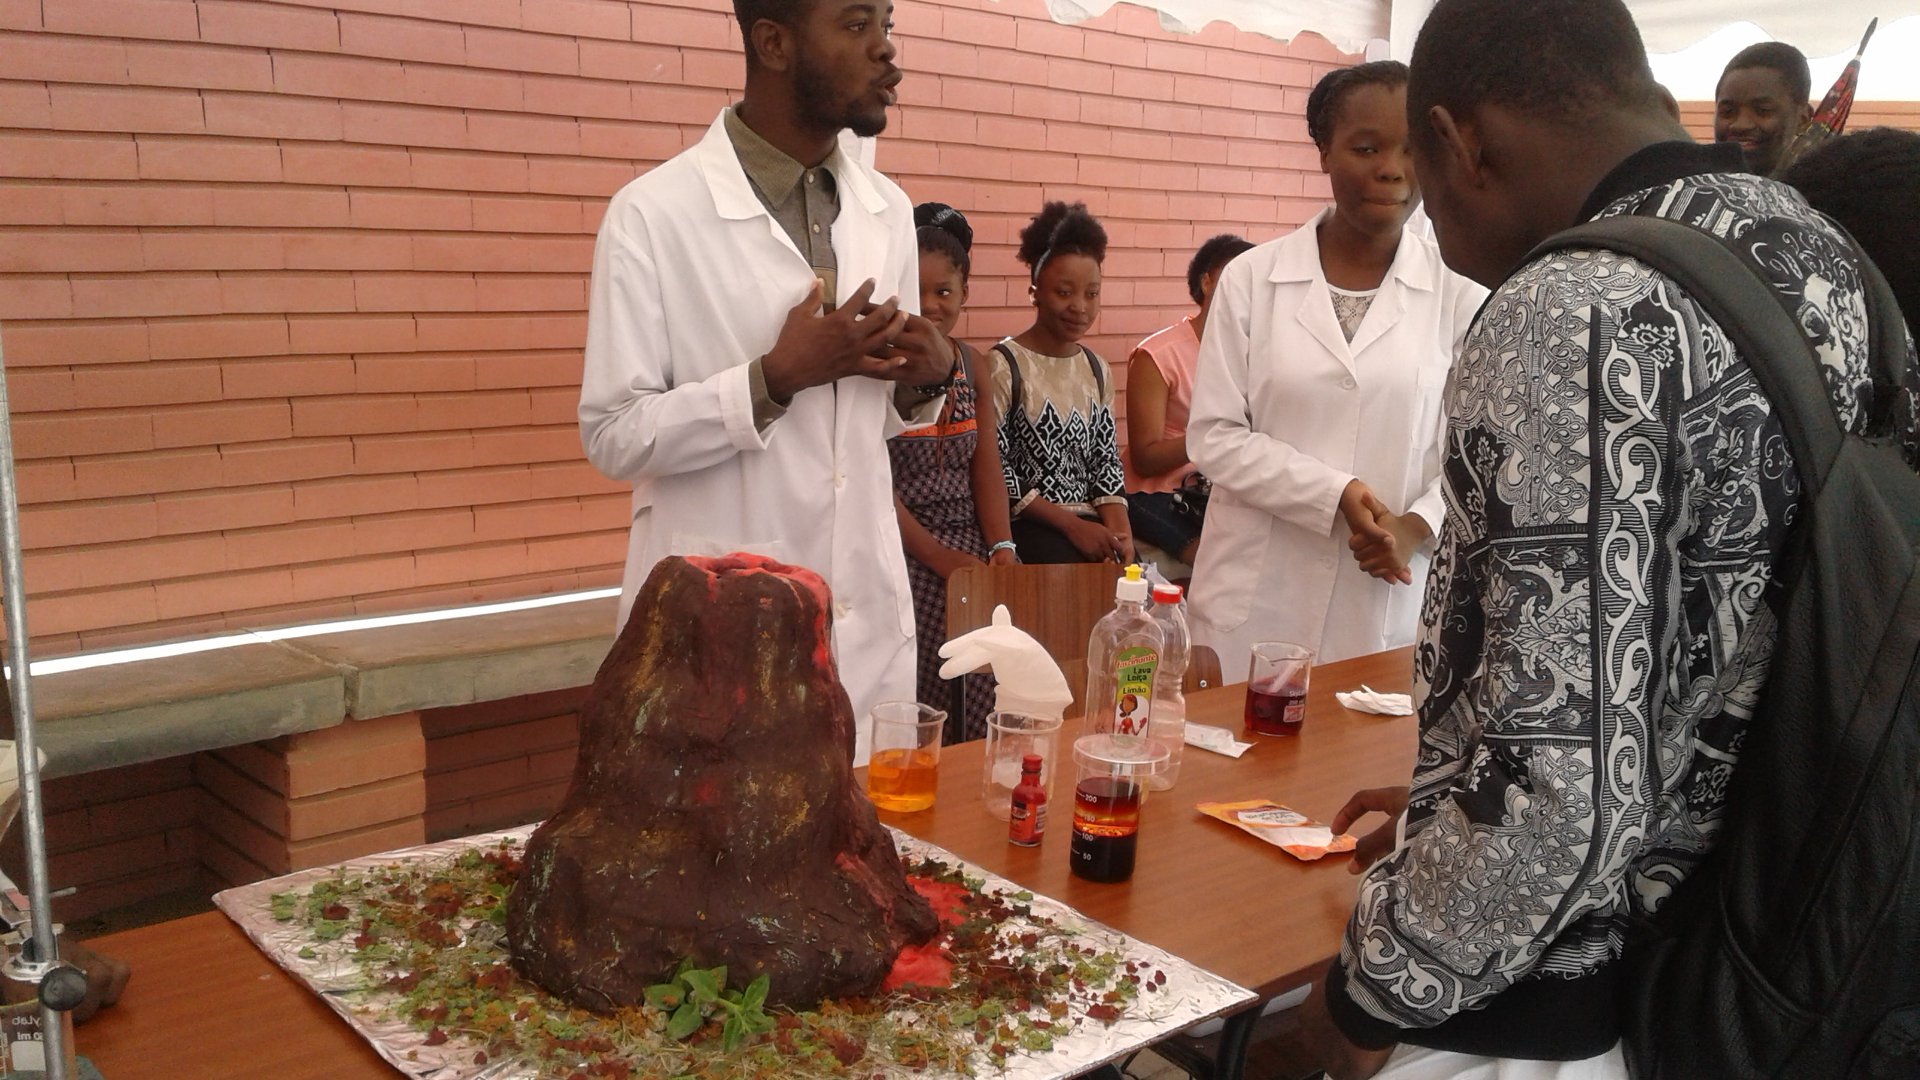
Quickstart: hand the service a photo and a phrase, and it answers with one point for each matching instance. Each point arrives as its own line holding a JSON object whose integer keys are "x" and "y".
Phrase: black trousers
{"x": 1037, "y": 542}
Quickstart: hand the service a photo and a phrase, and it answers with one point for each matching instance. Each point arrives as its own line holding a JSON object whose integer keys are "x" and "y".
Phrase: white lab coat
{"x": 1285, "y": 413}
{"x": 692, "y": 280}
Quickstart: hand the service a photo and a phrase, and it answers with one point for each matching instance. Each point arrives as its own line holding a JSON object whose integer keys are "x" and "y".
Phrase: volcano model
{"x": 714, "y": 814}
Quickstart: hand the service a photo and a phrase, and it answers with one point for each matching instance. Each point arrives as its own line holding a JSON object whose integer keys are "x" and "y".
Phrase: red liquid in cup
{"x": 1276, "y": 708}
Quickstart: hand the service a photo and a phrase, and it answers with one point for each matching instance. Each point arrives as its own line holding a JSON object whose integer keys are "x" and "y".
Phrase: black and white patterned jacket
{"x": 1596, "y": 629}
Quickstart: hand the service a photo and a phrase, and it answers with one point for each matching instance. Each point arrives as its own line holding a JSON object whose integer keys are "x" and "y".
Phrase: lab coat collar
{"x": 733, "y": 195}
{"x": 1298, "y": 260}
{"x": 1414, "y": 264}
{"x": 767, "y": 166}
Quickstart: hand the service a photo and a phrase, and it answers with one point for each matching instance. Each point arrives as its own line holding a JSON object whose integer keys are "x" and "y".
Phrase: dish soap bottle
{"x": 1167, "y": 720}
{"x": 1122, "y": 655}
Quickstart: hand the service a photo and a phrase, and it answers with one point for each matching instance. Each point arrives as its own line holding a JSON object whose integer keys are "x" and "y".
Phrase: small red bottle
{"x": 1029, "y": 817}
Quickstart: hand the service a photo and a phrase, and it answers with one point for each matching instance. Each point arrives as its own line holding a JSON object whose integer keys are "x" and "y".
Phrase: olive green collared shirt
{"x": 804, "y": 202}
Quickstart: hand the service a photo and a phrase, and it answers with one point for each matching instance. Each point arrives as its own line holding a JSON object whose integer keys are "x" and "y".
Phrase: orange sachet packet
{"x": 1289, "y": 830}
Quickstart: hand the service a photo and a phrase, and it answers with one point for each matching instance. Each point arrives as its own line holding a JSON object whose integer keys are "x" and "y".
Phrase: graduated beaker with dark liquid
{"x": 1111, "y": 782}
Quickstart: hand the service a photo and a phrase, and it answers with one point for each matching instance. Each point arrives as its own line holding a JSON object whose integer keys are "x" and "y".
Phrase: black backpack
{"x": 1794, "y": 950}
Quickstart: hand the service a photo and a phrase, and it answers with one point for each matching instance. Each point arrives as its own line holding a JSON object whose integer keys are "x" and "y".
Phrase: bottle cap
{"x": 1132, "y": 586}
{"x": 1030, "y": 763}
{"x": 1167, "y": 594}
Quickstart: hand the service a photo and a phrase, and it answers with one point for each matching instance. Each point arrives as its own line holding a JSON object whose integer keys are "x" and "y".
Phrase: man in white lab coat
{"x": 752, "y": 336}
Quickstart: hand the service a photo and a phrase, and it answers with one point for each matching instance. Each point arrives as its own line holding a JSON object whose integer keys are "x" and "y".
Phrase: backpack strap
{"x": 1888, "y": 335}
{"x": 1746, "y": 309}
{"x": 967, "y": 369}
{"x": 1099, "y": 378}
{"x": 1016, "y": 394}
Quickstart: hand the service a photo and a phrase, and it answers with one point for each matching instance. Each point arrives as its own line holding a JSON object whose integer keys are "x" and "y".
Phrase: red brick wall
{"x": 312, "y": 799}
{"x": 499, "y": 763}
{"x": 292, "y": 290}
{"x": 117, "y": 836}
{"x": 208, "y": 821}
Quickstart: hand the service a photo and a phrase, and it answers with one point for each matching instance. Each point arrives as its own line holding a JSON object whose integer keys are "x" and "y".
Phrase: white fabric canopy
{"x": 1887, "y": 74}
{"x": 1349, "y": 24}
{"x": 1817, "y": 29}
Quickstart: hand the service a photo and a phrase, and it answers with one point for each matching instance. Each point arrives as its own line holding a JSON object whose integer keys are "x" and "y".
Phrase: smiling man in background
{"x": 1761, "y": 102}
{"x": 752, "y": 342}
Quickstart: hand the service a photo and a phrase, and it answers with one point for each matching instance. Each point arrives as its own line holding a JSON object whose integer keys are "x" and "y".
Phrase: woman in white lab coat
{"x": 1317, "y": 404}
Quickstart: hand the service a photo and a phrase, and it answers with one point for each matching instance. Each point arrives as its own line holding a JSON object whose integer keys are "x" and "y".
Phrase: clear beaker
{"x": 1112, "y": 778}
{"x": 1011, "y": 736}
{"x": 904, "y": 771}
{"x": 1277, "y": 683}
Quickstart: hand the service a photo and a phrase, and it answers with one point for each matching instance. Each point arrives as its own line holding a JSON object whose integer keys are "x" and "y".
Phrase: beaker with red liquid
{"x": 1277, "y": 688}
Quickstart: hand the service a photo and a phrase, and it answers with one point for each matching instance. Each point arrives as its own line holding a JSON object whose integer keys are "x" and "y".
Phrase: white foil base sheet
{"x": 1190, "y": 995}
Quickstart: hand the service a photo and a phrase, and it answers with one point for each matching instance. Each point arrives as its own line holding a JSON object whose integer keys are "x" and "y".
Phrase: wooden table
{"x": 1201, "y": 889}
{"x": 205, "y": 1003}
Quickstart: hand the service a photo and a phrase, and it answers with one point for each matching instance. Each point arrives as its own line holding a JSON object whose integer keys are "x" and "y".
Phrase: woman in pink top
{"x": 1165, "y": 497}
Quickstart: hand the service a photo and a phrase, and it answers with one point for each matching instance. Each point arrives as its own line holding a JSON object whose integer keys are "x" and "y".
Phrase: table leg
{"x": 1234, "y": 1039}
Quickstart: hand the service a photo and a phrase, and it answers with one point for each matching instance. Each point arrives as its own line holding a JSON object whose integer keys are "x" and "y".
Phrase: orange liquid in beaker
{"x": 902, "y": 780}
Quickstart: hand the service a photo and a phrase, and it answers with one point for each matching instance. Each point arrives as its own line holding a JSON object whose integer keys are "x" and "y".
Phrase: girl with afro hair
{"x": 1059, "y": 448}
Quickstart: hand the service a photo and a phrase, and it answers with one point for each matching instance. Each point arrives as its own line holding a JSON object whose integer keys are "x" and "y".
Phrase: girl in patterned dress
{"x": 1058, "y": 444}
{"x": 948, "y": 491}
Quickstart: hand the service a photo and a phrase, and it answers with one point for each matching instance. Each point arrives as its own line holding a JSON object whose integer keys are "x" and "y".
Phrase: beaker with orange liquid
{"x": 905, "y": 768}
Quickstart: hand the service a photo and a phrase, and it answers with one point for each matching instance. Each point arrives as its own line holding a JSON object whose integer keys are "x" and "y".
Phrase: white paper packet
{"x": 1217, "y": 739}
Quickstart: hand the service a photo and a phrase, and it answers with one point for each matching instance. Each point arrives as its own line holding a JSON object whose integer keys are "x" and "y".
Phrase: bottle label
{"x": 1027, "y": 822}
{"x": 1133, "y": 680}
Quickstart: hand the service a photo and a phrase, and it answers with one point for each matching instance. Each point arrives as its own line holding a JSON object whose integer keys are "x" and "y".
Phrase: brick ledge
{"x": 126, "y": 714}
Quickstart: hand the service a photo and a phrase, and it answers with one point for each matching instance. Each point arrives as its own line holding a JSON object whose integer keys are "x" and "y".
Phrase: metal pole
{"x": 33, "y": 812}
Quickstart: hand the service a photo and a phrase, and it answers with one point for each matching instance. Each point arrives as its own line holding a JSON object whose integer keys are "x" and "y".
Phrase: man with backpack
{"x": 1641, "y": 604}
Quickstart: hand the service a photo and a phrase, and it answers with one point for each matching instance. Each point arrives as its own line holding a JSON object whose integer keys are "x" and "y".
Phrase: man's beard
{"x": 814, "y": 92}
{"x": 1764, "y": 159}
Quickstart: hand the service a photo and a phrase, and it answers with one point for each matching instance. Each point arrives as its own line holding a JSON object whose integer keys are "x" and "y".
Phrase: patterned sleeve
{"x": 1461, "y": 299}
{"x": 1528, "y": 799}
{"x": 1106, "y": 480}
{"x": 1906, "y": 409}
